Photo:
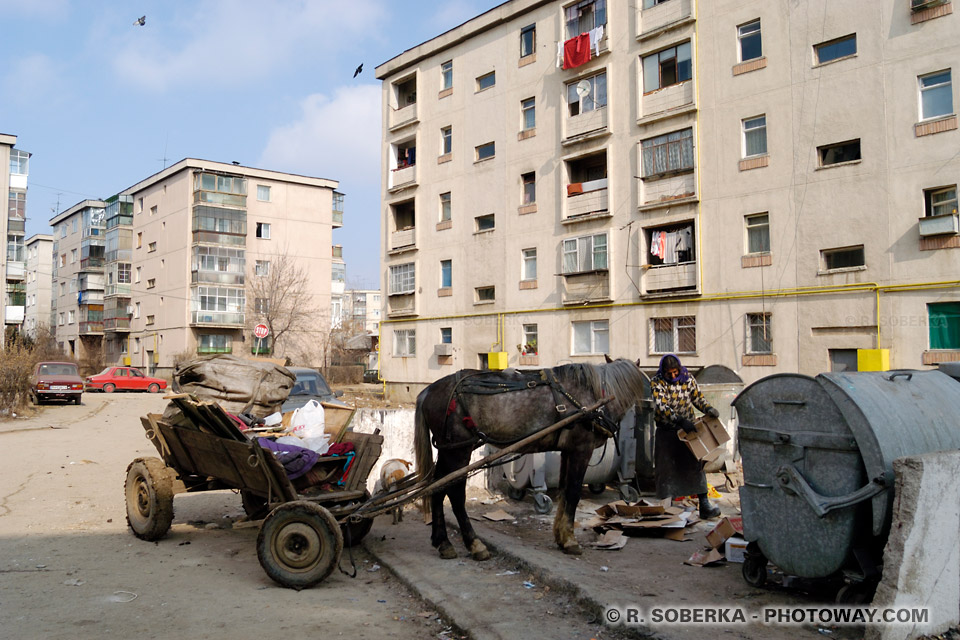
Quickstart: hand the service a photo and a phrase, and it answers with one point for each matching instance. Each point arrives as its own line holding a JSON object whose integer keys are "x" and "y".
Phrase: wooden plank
{"x": 368, "y": 447}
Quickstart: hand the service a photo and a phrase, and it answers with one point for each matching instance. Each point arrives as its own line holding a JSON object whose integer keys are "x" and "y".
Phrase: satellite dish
{"x": 583, "y": 88}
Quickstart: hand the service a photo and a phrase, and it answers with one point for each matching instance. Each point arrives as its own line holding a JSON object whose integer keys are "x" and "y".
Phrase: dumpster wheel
{"x": 754, "y": 566}
{"x": 542, "y": 503}
{"x": 856, "y": 593}
{"x": 299, "y": 544}
{"x": 149, "y": 496}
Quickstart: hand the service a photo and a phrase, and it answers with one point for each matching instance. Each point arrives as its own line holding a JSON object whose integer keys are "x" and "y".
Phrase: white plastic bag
{"x": 319, "y": 444}
{"x": 273, "y": 419}
{"x": 307, "y": 421}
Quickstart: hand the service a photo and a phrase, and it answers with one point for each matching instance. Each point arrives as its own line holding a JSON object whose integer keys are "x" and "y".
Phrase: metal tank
{"x": 818, "y": 465}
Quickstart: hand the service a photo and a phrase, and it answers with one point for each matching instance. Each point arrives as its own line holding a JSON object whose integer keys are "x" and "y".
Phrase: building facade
{"x": 39, "y": 284}
{"x": 767, "y": 185}
{"x": 14, "y": 170}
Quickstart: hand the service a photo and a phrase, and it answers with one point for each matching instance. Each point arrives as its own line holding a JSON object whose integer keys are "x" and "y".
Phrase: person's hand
{"x": 713, "y": 413}
{"x": 685, "y": 425}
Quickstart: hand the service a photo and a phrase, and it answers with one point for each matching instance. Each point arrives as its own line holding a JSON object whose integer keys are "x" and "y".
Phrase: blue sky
{"x": 100, "y": 102}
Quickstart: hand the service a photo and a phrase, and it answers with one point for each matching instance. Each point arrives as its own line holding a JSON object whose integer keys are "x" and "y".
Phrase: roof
{"x": 40, "y": 237}
{"x": 232, "y": 169}
{"x": 77, "y": 208}
{"x": 6, "y": 138}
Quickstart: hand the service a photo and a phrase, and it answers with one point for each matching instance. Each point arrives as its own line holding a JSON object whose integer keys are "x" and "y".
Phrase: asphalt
{"x": 648, "y": 573}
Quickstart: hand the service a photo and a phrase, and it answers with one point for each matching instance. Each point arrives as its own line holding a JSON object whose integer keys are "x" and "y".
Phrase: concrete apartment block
{"x": 767, "y": 185}
{"x": 14, "y": 165}
{"x": 39, "y": 283}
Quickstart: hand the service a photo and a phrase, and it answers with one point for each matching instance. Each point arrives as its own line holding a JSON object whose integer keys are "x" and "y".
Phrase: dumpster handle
{"x": 799, "y": 403}
{"x": 900, "y": 373}
{"x": 792, "y": 482}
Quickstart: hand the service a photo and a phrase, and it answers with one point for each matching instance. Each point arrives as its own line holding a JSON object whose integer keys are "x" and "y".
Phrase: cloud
{"x": 37, "y": 79}
{"x": 336, "y": 137}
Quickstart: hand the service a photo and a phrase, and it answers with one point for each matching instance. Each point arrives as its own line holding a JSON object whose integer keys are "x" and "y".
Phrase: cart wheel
{"x": 149, "y": 494}
{"x": 542, "y": 503}
{"x": 597, "y": 488}
{"x": 153, "y": 388}
{"x": 255, "y": 506}
{"x": 629, "y": 493}
{"x": 109, "y": 387}
{"x": 516, "y": 494}
{"x": 755, "y": 568}
{"x": 299, "y": 544}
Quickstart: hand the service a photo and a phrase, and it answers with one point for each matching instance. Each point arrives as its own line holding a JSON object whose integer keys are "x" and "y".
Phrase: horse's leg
{"x": 438, "y": 536}
{"x": 576, "y": 467}
{"x": 561, "y": 499}
{"x": 458, "y": 502}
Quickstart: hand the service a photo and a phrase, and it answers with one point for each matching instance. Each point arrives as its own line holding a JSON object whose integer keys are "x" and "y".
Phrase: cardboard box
{"x": 707, "y": 442}
{"x": 720, "y": 533}
{"x": 734, "y": 549}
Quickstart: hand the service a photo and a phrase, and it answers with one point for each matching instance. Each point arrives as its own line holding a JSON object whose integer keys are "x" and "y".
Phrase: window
{"x": 261, "y": 305}
{"x": 73, "y": 256}
{"x": 486, "y": 151}
{"x": 845, "y": 258}
{"x": 153, "y": 210}
{"x": 446, "y": 140}
{"x": 263, "y": 230}
{"x": 136, "y": 310}
{"x": 842, "y": 359}
{"x": 402, "y": 278}
{"x": 944, "y": 319}
{"x": 446, "y": 335}
{"x": 405, "y": 92}
{"x": 529, "y": 346}
{"x": 63, "y": 231}
{"x": 667, "y": 153}
{"x": 666, "y": 68}
{"x": 405, "y": 343}
{"x": 647, "y": 4}
{"x": 591, "y": 337}
{"x": 60, "y": 321}
{"x": 71, "y": 317}
{"x": 759, "y": 339}
{"x": 446, "y": 75}
{"x": 150, "y": 320}
{"x": 529, "y": 181}
{"x": 74, "y": 226}
{"x": 152, "y": 247}
{"x": 445, "y": 207}
{"x": 529, "y": 264}
{"x": 748, "y": 35}
{"x": 485, "y": 222}
{"x": 528, "y": 40}
{"x": 587, "y": 95}
{"x": 263, "y": 193}
{"x": 138, "y": 272}
{"x": 584, "y": 16}
{"x": 941, "y": 201}
{"x": 840, "y": 152}
{"x": 486, "y": 81}
{"x": 936, "y": 95}
{"x": 673, "y": 335}
{"x": 213, "y": 343}
{"x": 139, "y": 239}
{"x": 151, "y": 283}
{"x": 262, "y": 268}
{"x": 19, "y": 161}
{"x": 63, "y": 288}
{"x": 587, "y": 253}
{"x": 486, "y": 294}
{"x": 835, "y": 49}
{"x": 528, "y": 113}
{"x": 446, "y": 273}
{"x": 758, "y": 233}
{"x": 754, "y": 136}
{"x": 338, "y": 272}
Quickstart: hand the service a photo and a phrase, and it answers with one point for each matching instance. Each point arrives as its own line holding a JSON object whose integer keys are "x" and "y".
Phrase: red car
{"x": 56, "y": 380}
{"x": 124, "y": 379}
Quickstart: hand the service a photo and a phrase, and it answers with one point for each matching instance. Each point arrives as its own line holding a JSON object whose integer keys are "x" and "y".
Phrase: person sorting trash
{"x": 678, "y": 472}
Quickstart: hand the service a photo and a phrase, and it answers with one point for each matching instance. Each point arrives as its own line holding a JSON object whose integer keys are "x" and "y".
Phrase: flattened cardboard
{"x": 612, "y": 540}
{"x": 719, "y": 534}
{"x": 498, "y": 515}
{"x": 704, "y": 557}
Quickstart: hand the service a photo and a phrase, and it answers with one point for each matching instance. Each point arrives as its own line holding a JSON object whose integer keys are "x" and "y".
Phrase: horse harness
{"x": 472, "y": 384}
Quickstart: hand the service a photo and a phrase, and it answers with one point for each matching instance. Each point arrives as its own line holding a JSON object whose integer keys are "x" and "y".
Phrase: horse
{"x": 467, "y": 409}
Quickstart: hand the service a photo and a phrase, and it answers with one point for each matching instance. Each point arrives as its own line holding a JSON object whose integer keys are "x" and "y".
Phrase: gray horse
{"x": 467, "y": 409}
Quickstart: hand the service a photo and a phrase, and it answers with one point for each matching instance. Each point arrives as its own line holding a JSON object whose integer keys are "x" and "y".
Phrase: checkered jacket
{"x": 674, "y": 401}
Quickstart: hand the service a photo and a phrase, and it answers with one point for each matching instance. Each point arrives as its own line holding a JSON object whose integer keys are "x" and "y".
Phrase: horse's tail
{"x": 422, "y": 448}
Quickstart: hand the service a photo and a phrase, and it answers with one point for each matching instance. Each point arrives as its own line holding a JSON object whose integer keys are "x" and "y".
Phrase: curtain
{"x": 944, "y": 325}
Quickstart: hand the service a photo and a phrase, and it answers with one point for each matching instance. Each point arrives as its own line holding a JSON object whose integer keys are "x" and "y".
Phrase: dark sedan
{"x": 310, "y": 385}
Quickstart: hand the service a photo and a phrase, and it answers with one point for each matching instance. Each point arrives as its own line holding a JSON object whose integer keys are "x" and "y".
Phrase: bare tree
{"x": 281, "y": 297}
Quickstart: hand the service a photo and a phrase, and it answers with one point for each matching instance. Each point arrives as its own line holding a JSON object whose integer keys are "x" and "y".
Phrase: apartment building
{"x": 763, "y": 184}
{"x": 39, "y": 283}
{"x": 362, "y": 308}
{"x": 338, "y": 285}
{"x": 77, "y": 280}
{"x": 14, "y": 169}
{"x": 199, "y": 253}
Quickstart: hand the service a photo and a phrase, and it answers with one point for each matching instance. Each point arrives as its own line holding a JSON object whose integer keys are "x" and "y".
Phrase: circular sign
{"x": 261, "y": 331}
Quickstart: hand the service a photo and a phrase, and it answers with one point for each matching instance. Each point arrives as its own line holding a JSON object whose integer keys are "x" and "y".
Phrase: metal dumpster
{"x": 720, "y": 385}
{"x": 818, "y": 464}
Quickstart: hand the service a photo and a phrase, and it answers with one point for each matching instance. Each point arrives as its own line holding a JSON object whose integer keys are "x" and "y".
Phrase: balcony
{"x": 594, "y": 121}
{"x": 584, "y": 288}
{"x": 91, "y": 327}
{"x": 216, "y": 319}
{"x": 666, "y": 191}
{"x": 16, "y": 226}
{"x": 214, "y": 237}
{"x": 666, "y": 101}
{"x": 403, "y": 238}
{"x": 216, "y": 277}
{"x": 669, "y": 279}
{"x": 593, "y": 200}
{"x": 939, "y": 225}
{"x": 402, "y": 305}
{"x": 403, "y": 177}
{"x": 202, "y": 350}
{"x": 13, "y": 314}
{"x": 337, "y": 219}
{"x": 16, "y": 270}
{"x": 91, "y": 263}
{"x": 403, "y": 117}
{"x": 116, "y": 324}
{"x": 90, "y": 296}
{"x": 117, "y": 290}
{"x": 118, "y": 255}
{"x": 664, "y": 16}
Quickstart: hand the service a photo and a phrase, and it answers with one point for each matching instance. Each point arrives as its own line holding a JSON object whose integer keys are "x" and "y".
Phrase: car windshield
{"x": 57, "y": 369}
{"x": 310, "y": 385}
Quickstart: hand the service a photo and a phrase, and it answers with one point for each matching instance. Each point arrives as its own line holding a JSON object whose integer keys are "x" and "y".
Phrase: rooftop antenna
{"x": 165, "y": 158}
{"x": 56, "y": 210}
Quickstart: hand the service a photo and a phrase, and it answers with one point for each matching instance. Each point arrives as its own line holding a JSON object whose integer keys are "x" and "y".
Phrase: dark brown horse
{"x": 470, "y": 408}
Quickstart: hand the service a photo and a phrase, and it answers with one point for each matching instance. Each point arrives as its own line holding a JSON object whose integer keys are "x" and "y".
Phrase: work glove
{"x": 713, "y": 413}
{"x": 685, "y": 425}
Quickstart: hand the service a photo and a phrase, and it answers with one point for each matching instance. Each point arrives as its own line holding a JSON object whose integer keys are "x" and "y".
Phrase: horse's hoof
{"x": 572, "y": 549}
{"x": 479, "y": 551}
{"x": 447, "y": 552}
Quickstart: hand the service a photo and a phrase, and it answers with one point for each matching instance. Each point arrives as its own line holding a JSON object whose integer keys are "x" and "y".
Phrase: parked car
{"x": 310, "y": 385}
{"x": 371, "y": 375}
{"x": 124, "y": 379}
{"x": 56, "y": 381}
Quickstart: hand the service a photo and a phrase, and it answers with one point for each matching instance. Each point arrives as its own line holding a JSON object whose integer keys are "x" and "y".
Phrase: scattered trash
{"x": 375, "y": 567}
{"x": 508, "y": 573}
{"x": 612, "y": 540}
{"x": 642, "y": 518}
{"x": 41, "y": 566}
{"x": 493, "y": 499}
{"x": 528, "y": 585}
{"x": 824, "y": 632}
{"x": 704, "y": 557}
{"x": 498, "y": 515}
{"x": 183, "y": 543}
{"x": 382, "y": 601}
{"x": 604, "y": 568}
{"x": 122, "y": 597}
{"x": 74, "y": 582}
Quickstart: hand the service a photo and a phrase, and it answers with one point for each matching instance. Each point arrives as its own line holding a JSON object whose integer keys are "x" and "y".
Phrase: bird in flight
{"x": 142, "y": 20}
{"x": 359, "y": 69}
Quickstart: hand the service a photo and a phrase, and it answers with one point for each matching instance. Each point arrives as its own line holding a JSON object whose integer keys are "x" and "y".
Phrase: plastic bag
{"x": 320, "y": 444}
{"x": 273, "y": 419}
{"x": 307, "y": 421}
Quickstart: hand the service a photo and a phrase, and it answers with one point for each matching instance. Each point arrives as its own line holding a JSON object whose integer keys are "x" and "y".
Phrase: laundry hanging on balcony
{"x": 576, "y": 51}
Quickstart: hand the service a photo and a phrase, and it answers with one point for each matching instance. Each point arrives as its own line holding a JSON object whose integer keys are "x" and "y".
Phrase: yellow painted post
{"x": 873, "y": 359}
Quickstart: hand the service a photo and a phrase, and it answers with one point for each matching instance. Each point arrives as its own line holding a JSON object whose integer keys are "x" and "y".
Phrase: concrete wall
{"x": 921, "y": 562}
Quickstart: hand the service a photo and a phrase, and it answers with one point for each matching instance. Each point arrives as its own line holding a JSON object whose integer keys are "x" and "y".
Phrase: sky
{"x": 102, "y": 103}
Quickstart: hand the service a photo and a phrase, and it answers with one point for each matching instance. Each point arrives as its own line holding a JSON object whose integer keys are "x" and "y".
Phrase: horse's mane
{"x": 620, "y": 378}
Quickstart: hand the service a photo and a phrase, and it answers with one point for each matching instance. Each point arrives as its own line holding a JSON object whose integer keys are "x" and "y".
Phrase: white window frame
{"x": 583, "y": 251}
{"x": 678, "y": 323}
{"x": 531, "y": 29}
{"x": 528, "y": 106}
{"x": 404, "y": 343}
{"x": 261, "y": 268}
{"x": 947, "y": 206}
{"x": 588, "y": 102}
{"x": 448, "y": 265}
{"x": 940, "y": 86}
{"x": 679, "y": 49}
{"x": 263, "y": 193}
{"x": 403, "y": 279}
{"x": 758, "y": 322}
{"x": 752, "y": 222}
{"x": 446, "y": 75}
{"x": 747, "y": 30}
{"x": 446, "y": 206}
{"x": 530, "y": 334}
{"x": 528, "y": 257}
{"x": 263, "y": 230}
{"x": 446, "y": 140}
{"x": 598, "y": 333}
{"x": 481, "y": 148}
{"x": 484, "y": 218}
{"x": 755, "y": 127}
{"x": 481, "y": 80}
